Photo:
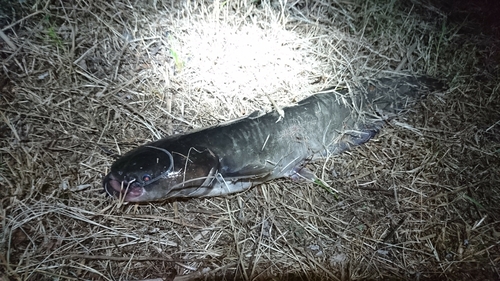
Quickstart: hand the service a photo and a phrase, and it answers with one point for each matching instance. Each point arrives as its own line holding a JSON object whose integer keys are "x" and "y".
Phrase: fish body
{"x": 237, "y": 155}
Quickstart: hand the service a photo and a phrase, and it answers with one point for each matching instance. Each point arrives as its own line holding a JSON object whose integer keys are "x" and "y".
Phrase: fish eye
{"x": 146, "y": 177}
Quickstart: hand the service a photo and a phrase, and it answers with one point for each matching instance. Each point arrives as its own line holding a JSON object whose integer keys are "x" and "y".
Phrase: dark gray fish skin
{"x": 235, "y": 156}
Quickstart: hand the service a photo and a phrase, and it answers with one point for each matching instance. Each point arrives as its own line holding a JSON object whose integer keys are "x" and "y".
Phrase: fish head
{"x": 151, "y": 173}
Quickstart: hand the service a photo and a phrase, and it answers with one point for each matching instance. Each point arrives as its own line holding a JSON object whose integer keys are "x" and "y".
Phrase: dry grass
{"x": 83, "y": 80}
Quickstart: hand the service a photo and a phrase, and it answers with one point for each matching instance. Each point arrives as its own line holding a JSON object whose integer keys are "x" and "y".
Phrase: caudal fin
{"x": 393, "y": 95}
{"x": 377, "y": 101}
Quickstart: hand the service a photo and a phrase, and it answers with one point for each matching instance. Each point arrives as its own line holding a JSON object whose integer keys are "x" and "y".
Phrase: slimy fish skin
{"x": 234, "y": 156}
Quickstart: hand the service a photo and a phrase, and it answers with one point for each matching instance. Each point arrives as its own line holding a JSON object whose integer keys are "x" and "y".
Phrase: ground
{"x": 84, "y": 81}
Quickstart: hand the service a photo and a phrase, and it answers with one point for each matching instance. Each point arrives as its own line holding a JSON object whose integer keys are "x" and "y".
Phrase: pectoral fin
{"x": 250, "y": 171}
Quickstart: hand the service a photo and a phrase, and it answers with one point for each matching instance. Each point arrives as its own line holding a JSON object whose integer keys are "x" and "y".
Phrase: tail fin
{"x": 393, "y": 95}
{"x": 379, "y": 100}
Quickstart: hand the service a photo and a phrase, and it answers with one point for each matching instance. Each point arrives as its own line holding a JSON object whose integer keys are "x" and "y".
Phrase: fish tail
{"x": 393, "y": 95}
{"x": 378, "y": 101}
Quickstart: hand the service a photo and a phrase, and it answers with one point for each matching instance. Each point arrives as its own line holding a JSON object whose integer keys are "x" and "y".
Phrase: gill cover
{"x": 151, "y": 173}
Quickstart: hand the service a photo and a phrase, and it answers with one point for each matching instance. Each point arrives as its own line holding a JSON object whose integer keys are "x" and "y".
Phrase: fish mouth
{"x": 129, "y": 191}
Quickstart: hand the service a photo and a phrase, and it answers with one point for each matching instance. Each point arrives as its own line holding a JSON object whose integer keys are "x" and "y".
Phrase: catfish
{"x": 237, "y": 155}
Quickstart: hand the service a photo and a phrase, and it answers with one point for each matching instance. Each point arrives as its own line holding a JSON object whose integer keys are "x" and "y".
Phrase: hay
{"x": 85, "y": 80}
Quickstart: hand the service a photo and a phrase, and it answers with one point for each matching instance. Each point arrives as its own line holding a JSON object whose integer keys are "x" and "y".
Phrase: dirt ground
{"x": 85, "y": 81}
